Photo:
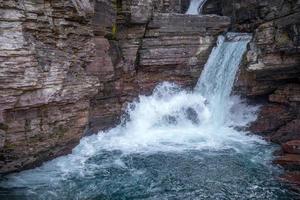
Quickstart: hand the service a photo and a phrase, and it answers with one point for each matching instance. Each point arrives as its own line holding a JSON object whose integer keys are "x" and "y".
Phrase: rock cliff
{"x": 69, "y": 67}
{"x": 45, "y": 90}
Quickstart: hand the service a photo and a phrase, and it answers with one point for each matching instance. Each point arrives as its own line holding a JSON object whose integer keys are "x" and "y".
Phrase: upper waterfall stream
{"x": 174, "y": 144}
{"x": 195, "y": 7}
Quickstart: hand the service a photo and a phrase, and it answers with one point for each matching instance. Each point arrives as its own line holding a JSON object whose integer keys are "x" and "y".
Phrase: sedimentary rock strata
{"x": 70, "y": 67}
{"x": 150, "y": 45}
{"x": 44, "y": 87}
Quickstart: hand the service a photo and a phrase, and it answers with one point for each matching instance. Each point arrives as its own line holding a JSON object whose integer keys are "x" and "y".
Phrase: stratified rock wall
{"x": 148, "y": 43}
{"x": 45, "y": 91}
{"x": 70, "y": 67}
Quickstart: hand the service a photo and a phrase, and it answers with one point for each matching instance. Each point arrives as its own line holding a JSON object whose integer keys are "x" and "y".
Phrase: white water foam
{"x": 170, "y": 120}
{"x": 195, "y": 7}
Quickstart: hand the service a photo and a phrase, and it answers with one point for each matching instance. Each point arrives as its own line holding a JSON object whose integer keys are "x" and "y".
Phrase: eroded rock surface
{"x": 70, "y": 67}
{"x": 44, "y": 88}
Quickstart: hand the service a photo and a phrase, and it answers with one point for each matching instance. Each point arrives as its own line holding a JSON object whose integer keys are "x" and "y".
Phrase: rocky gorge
{"x": 69, "y": 68}
{"x": 74, "y": 71}
{"x": 270, "y": 72}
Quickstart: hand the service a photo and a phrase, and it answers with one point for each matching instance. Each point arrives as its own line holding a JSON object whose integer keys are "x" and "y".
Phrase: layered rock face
{"x": 271, "y": 70}
{"x": 145, "y": 43}
{"x": 70, "y": 67}
{"x": 45, "y": 90}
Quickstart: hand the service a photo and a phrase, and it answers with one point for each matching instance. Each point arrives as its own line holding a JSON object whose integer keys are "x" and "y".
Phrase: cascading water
{"x": 195, "y": 7}
{"x": 175, "y": 144}
{"x": 216, "y": 83}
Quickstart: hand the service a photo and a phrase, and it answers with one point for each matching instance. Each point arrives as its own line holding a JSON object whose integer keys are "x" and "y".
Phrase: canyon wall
{"x": 69, "y": 67}
{"x": 45, "y": 90}
{"x": 271, "y": 70}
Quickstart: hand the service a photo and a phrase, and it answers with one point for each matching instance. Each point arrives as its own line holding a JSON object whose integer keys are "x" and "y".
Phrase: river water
{"x": 174, "y": 144}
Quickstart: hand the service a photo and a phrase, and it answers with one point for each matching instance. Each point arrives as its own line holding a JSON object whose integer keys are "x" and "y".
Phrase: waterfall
{"x": 195, "y": 7}
{"x": 219, "y": 73}
{"x": 173, "y": 119}
{"x": 158, "y": 131}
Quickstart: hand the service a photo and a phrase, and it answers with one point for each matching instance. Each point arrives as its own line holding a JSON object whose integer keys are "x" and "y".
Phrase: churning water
{"x": 174, "y": 144}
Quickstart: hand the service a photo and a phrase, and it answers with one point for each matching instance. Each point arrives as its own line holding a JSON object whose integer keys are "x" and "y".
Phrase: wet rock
{"x": 291, "y": 131}
{"x": 292, "y": 178}
{"x": 289, "y": 161}
{"x": 192, "y": 115}
{"x": 287, "y": 94}
{"x": 292, "y": 147}
{"x": 270, "y": 118}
